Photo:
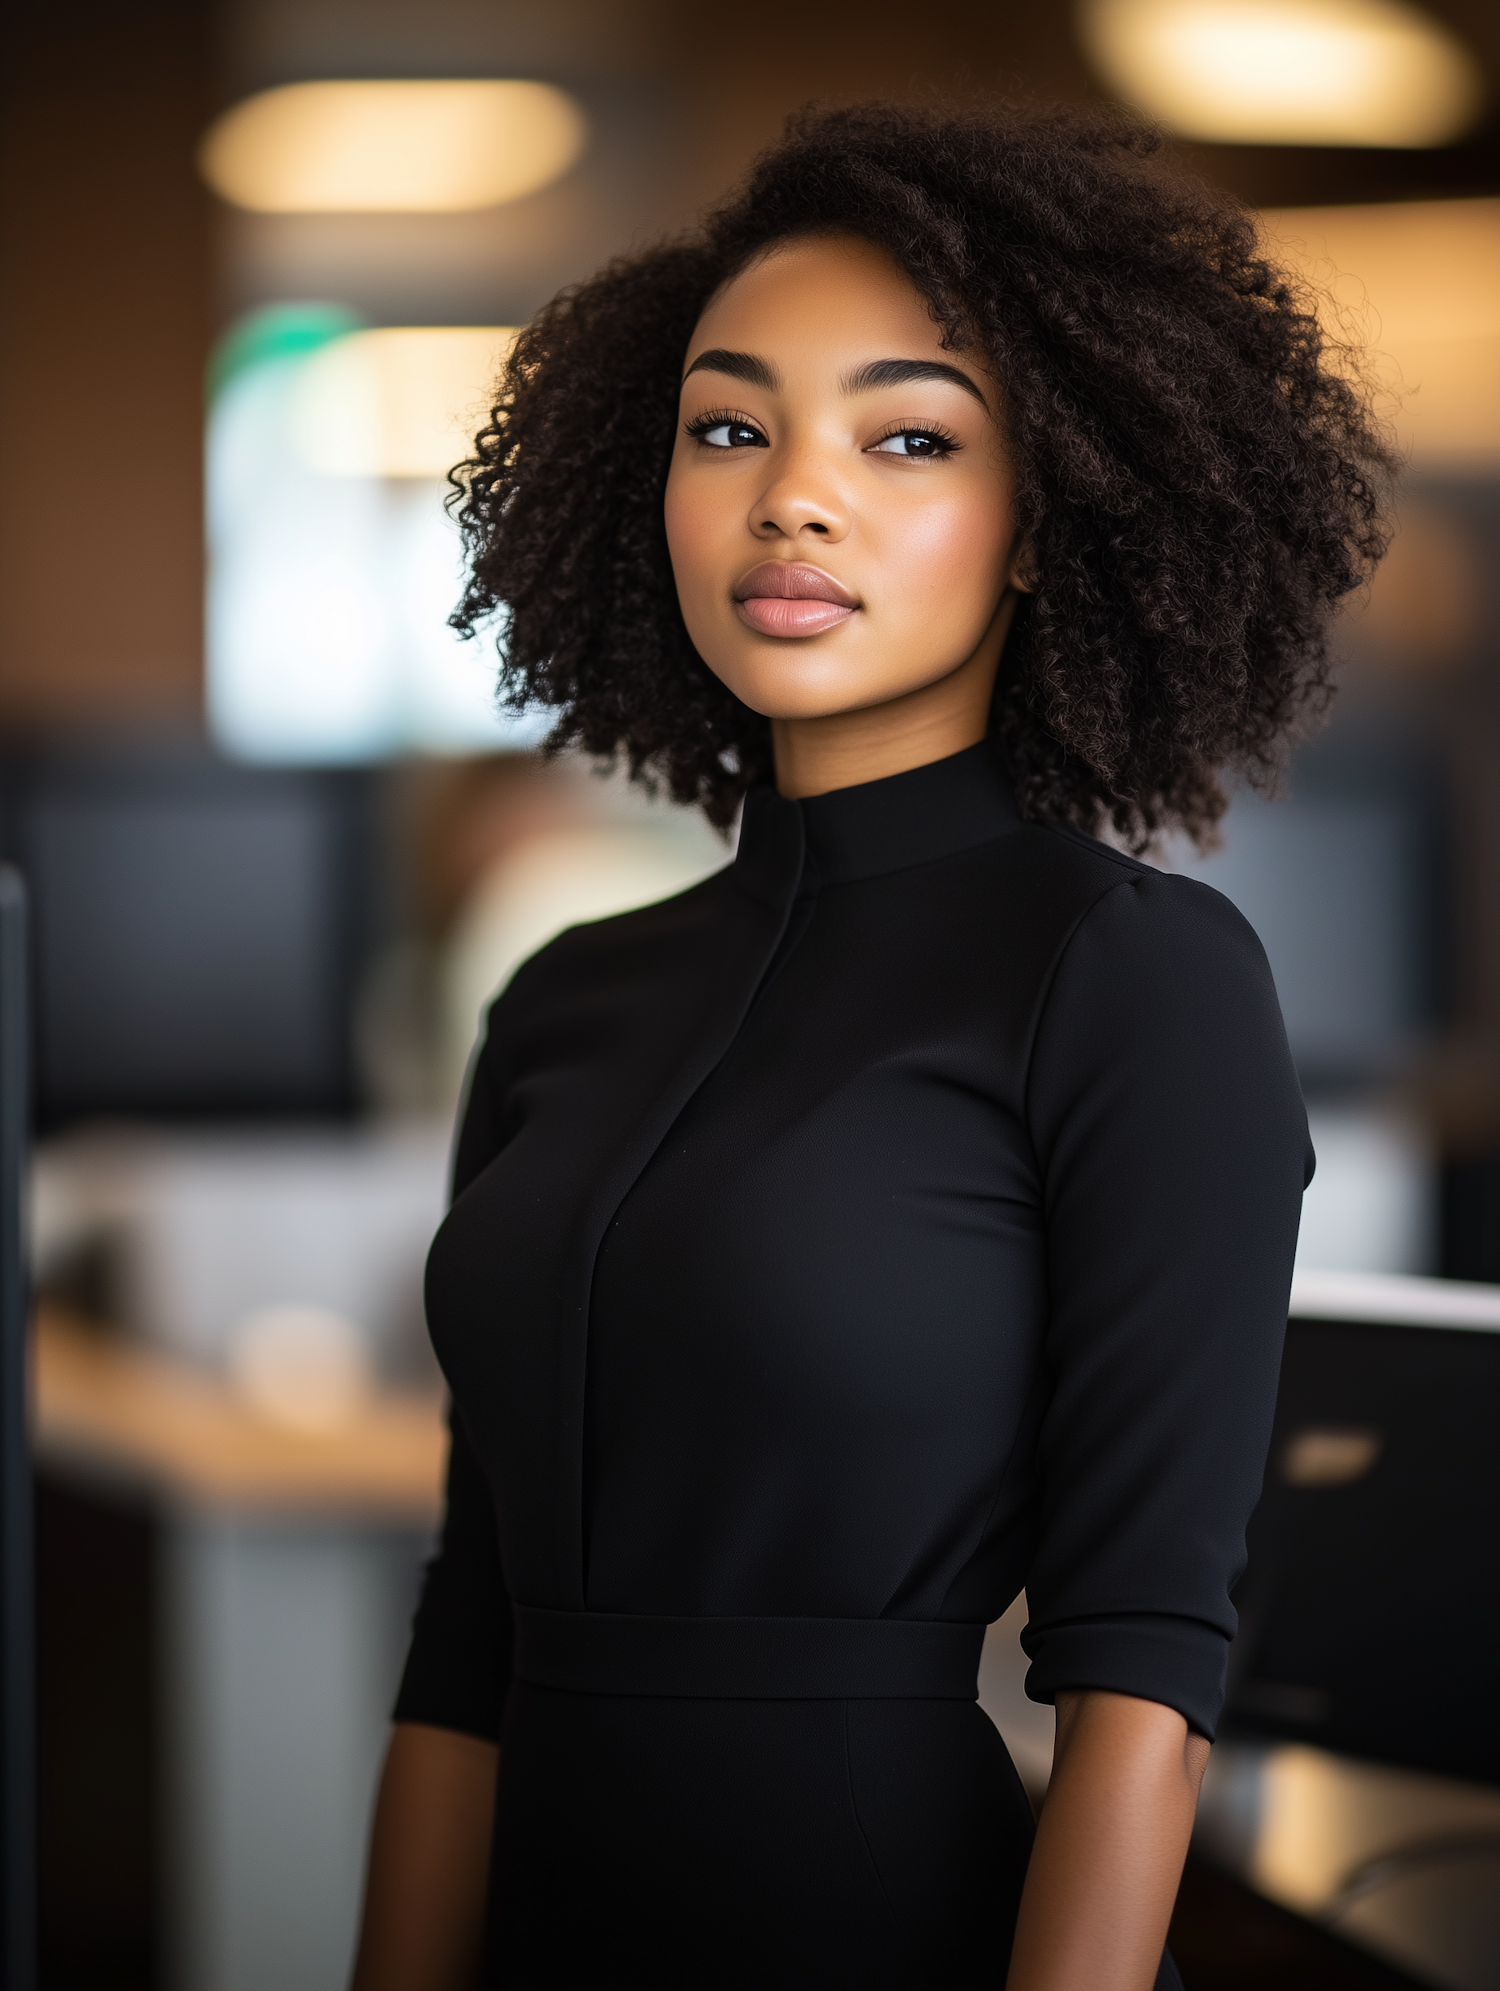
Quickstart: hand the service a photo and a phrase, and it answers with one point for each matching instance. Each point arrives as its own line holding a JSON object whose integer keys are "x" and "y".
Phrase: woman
{"x": 906, "y": 1214}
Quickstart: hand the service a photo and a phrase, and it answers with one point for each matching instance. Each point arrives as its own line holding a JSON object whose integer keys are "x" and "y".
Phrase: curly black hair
{"x": 1200, "y": 478}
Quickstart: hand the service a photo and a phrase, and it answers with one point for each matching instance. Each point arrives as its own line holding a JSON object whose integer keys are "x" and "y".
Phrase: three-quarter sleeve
{"x": 459, "y": 1660}
{"x": 1172, "y": 1146}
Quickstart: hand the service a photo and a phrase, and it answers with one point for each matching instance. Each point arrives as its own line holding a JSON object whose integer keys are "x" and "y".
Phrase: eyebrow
{"x": 757, "y": 372}
{"x": 897, "y": 372}
{"x": 739, "y": 366}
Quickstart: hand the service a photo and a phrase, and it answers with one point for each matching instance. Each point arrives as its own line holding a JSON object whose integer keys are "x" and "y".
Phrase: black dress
{"x": 902, "y": 1216}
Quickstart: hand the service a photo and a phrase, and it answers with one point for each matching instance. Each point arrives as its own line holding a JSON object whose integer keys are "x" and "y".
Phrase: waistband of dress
{"x": 757, "y": 1659}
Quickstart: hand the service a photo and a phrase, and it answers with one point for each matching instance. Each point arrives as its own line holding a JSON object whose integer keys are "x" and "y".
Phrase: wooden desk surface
{"x": 109, "y": 1406}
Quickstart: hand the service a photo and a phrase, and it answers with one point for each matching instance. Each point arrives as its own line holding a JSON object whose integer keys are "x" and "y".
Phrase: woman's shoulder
{"x": 1157, "y": 971}
{"x": 560, "y": 986}
{"x": 571, "y": 992}
{"x": 1091, "y": 923}
{"x": 1139, "y": 904}
{"x": 593, "y": 946}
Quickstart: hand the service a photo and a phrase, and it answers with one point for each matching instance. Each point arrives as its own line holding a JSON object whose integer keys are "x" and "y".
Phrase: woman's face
{"x": 839, "y": 507}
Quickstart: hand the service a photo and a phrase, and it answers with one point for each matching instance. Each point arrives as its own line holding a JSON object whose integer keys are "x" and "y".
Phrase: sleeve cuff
{"x": 440, "y": 1690}
{"x": 1179, "y": 1662}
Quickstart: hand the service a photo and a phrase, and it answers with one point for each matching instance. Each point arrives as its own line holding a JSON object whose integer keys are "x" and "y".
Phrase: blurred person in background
{"x": 905, "y": 1215}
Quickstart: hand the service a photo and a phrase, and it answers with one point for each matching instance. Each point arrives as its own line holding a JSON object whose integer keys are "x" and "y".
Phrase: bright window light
{"x": 333, "y": 564}
{"x": 404, "y": 401}
{"x": 391, "y": 147}
{"x": 1286, "y": 72}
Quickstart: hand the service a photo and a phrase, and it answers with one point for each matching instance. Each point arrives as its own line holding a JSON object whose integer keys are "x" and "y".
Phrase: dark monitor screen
{"x": 196, "y": 931}
{"x": 1369, "y": 1609}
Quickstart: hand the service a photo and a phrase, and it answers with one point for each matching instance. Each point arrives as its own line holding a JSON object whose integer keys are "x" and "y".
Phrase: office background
{"x": 281, "y": 845}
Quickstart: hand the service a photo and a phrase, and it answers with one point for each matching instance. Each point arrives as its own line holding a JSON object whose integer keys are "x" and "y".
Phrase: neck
{"x": 842, "y": 749}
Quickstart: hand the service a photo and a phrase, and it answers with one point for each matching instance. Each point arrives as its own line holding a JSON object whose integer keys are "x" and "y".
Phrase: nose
{"x": 801, "y": 500}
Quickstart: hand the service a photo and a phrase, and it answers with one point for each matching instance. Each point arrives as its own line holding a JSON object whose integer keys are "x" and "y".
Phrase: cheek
{"x": 674, "y": 516}
{"x": 952, "y": 552}
{"x": 695, "y": 528}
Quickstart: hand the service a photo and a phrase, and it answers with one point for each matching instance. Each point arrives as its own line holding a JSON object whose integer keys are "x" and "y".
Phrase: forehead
{"x": 835, "y": 295}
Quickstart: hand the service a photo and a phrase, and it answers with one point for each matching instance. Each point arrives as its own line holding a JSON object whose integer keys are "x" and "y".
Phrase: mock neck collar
{"x": 903, "y": 820}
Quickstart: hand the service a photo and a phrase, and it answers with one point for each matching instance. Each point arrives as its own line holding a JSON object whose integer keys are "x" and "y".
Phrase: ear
{"x": 1023, "y": 571}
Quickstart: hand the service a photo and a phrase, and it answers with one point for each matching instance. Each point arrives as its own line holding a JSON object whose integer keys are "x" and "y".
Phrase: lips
{"x": 781, "y": 598}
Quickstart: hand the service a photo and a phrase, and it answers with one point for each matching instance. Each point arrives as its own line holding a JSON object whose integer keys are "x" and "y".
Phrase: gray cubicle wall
{"x": 1342, "y": 880}
{"x": 283, "y": 1643}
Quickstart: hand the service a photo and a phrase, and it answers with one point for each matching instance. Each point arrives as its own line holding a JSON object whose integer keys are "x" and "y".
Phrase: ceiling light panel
{"x": 1286, "y": 72}
{"x": 391, "y": 147}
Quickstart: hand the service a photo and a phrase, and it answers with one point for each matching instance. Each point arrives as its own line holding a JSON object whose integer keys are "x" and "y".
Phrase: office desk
{"x": 286, "y": 1565}
{"x": 108, "y": 1406}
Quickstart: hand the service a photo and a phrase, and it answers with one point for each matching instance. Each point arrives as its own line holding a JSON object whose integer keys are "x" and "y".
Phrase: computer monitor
{"x": 197, "y": 929}
{"x": 1370, "y": 1614}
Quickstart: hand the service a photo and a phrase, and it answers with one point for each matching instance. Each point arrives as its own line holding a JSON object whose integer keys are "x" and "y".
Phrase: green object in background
{"x": 277, "y": 331}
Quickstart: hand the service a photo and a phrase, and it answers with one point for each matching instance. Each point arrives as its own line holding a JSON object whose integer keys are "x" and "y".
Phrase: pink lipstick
{"x": 780, "y": 598}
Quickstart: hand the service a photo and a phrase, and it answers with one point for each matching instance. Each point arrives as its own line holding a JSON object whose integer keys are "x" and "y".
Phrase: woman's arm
{"x": 428, "y": 1875}
{"x": 1109, "y": 1848}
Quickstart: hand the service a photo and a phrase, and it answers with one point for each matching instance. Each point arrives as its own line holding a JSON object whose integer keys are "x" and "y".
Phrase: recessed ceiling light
{"x": 1286, "y": 72}
{"x": 391, "y": 147}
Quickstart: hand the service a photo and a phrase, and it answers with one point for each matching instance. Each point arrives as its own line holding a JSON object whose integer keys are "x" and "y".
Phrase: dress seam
{"x": 860, "y": 1827}
{"x": 1023, "y": 1425}
{"x": 1041, "y": 1005}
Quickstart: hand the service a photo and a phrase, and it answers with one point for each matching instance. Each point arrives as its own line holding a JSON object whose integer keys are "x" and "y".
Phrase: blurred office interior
{"x": 282, "y": 846}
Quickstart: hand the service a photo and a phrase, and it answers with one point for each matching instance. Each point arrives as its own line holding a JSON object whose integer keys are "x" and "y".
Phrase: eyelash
{"x": 717, "y": 418}
{"x": 945, "y": 439}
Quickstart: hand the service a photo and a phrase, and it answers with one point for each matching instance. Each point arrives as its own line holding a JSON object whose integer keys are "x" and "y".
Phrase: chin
{"x": 801, "y": 683}
{"x": 774, "y": 698}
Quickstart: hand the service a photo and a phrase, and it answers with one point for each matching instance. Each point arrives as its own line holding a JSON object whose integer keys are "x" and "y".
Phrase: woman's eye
{"x": 731, "y": 435}
{"x": 914, "y": 442}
